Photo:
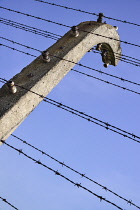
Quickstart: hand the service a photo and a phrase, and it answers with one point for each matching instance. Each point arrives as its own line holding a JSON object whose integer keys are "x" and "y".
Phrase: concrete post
{"x": 42, "y": 75}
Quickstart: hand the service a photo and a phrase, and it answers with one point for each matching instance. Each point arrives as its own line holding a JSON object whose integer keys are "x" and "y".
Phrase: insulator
{"x": 116, "y": 27}
{"x": 11, "y": 86}
{"x": 45, "y": 56}
{"x": 75, "y": 31}
{"x": 100, "y": 18}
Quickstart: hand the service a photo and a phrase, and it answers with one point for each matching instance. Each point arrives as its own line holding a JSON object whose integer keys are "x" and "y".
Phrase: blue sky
{"x": 102, "y": 155}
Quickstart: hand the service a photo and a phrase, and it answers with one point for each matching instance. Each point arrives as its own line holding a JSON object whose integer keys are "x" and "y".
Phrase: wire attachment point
{"x": 2, "y": 141}
{"x": 12, "y": 87}
{"x": 116, "y": 28}
{"x": 100, "y": 18}
{"x": 45, "y": 56}
{"x": 75, "y": 31}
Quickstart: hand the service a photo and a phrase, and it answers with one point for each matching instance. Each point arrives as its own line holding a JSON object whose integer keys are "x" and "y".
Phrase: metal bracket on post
{"x": 41, "y": 77}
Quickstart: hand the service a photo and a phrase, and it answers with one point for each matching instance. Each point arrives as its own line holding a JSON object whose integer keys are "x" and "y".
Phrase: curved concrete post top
{"x": 92, "y": 33}
{"x": 47, "y": 70}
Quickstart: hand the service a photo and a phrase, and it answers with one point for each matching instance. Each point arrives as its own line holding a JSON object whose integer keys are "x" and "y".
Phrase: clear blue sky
{"x": 102, "y": 155}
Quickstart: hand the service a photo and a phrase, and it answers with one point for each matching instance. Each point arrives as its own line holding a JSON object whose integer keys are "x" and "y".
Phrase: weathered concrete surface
{"x": 14, "y": 108}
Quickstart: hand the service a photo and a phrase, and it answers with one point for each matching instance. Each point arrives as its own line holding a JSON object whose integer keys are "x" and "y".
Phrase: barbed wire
{"x": 14, "y": 42}
{"x": 61, "y": 24}
{"x": 90, "y": 13}
{"x": 56, "y": 172}
{"x": 87, "y": 117}
{"x": 122, "y": 55}
{"x": 4, "y": 200}
{"x": 81, "y": 174}
{"x": 105, "y": 81}
{"x": 72, "y": 69}
{"x": 127, "y": 56}
{"x": 3, "y": 81}
{"x": 53, "y": 36}
{"x": 34, "y": 30}
{"x": 29, "y": 15}
{"x": 88, "y": 75}
{"x": 99, "y": 71}
{"x": 59, "y": 174}
{"x": 12, "y": 48}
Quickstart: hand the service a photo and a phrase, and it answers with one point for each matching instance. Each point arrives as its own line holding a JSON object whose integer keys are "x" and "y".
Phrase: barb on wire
{"x": 56, "y": 37}
{"x": 99, "y": 71}
{"x": 59, "y": 174}
{"x": 87, "y": 117}
{"x": 4, "y": 200}
{"x": 81, "y": 174}
{"x": 61, "y": 24}
{"x": 90, "y": 13}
